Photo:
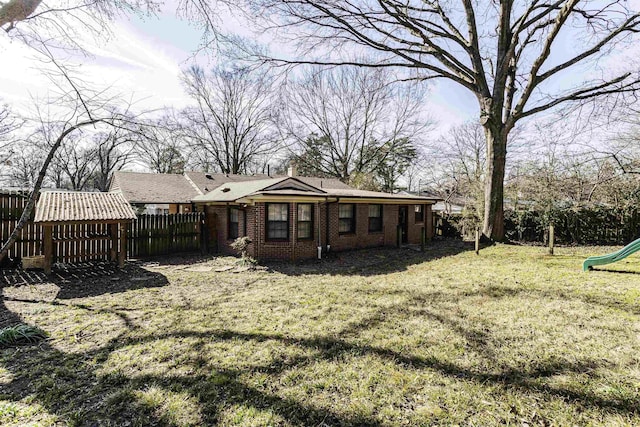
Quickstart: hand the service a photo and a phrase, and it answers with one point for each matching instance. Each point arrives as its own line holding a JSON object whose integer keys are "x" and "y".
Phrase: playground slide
{"x": 612, "y": 257}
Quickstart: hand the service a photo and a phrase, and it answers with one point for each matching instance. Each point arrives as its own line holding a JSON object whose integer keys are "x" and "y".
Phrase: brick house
{"x": 299, "y": 217}
{"x": 286, "y": 217}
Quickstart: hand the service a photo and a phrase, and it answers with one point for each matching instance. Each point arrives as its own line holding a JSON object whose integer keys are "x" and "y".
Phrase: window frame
{"x": 421, "y": 212}
{"x": 298, "y": 221}
{"x": 380, "y": 218}
{"x": 229, "y": 222}
{"x": 352, "y": 228}
{"x": 267, "y": 221}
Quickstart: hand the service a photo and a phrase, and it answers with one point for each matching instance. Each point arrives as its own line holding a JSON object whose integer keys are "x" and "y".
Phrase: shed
{"x": 56, "y": 208}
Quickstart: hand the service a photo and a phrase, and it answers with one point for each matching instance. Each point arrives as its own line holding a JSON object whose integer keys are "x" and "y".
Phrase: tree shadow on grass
{"x": 600, "y": 300}
{"x": 371, "y": 261}
{"x": 72, "y": 385}
{"x": 82, "y": 280}
{"x": 610, "y": 270}
{"x": 69, "y": 385}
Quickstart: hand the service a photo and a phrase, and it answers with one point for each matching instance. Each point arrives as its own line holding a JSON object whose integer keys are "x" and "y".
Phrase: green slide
{"x": 612, "y": 257}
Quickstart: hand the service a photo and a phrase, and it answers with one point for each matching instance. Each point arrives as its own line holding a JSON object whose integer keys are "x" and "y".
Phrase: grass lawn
{"x": 375, "y": 337}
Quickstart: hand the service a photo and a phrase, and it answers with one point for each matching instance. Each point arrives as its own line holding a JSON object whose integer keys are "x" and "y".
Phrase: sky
{"x": 143, "y": 59}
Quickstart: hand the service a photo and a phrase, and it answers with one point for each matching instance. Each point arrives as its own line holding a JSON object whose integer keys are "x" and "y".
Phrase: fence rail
{"x": 149, "y": 235}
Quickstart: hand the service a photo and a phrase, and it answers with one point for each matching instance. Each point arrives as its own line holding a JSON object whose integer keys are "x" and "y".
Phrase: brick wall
{"x": 293, "y": 248}
{"x": 222, "y": 227}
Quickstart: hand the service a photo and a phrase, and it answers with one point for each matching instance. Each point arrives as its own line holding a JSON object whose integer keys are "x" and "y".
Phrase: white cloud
{"x": 130, "y": 62}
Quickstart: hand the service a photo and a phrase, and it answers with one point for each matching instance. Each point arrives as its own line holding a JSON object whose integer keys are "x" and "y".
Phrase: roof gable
{"x": 292, "y": 183}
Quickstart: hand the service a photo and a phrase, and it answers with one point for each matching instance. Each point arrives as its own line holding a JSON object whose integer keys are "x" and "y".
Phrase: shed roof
{"x": 59, "y": 207}
{"x": 138, "y": 187}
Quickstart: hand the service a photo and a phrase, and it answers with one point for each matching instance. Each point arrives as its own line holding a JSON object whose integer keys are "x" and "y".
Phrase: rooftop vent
{"x": 208, "y": 176}
{"x": 226, "y": 189}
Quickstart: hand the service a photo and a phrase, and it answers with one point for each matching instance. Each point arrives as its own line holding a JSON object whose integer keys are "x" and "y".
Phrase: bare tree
{"x": 230, "y": 127}
{"x": 113, "y": 151}
{"x": 501, "y": 52}
{"x": 352, "y": 121}
{"x": 77, "y": 162}
{"x": 22, "y": 169}
{"x": 9, "y": 123}
{"x": 461, "y": 155}
{"x": 61, "y": 18}
{"x": 160, "y": 145}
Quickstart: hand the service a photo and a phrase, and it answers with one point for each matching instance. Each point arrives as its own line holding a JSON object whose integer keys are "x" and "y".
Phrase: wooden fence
{"x": 152, "y": 235}
{"x": 149, "y": 235}
{"x": 29, "y": 241}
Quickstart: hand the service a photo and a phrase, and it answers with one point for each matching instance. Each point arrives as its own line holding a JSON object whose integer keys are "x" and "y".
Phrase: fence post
{"x": 551, "y": 238}
{"x": 399, "y": 235}
{"x": 423, "y": 238}
{"x": 48, "y": 248}
{"x": 477, "y": 241}
{"x": 122, "y": 255}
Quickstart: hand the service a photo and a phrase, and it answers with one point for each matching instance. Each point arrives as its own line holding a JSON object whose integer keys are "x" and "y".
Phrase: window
{"x": 305, "y": 221}
{"x": 347, "y": 218}
{"x": 277, "y": 221}
{"x": 234, "y": 220}
{"x": 375, "y": 218}
{"x": 419, "y": 210}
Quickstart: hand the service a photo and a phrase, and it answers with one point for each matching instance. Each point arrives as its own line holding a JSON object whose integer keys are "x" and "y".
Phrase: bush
{"x": 241, "y": 246}
{"x": 583, "y": 226}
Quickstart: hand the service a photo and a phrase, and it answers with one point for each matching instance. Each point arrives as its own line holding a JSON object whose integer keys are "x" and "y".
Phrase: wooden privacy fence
{"x": 149, "y": 235}
{"x": 152, "y": 235}
{"x": 29, "y": 243}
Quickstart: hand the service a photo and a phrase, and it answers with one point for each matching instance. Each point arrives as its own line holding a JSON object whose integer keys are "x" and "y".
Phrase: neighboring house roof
{"x": 156, "y": 188}
{"x": 58, "y": 207}
{"x": 448, "y": 207}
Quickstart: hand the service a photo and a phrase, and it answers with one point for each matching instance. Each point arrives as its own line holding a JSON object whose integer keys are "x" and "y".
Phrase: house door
{"x": 403, "y": 215}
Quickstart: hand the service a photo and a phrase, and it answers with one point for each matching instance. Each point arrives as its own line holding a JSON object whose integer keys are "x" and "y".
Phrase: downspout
{"x": 319, "y": 236}
{"x": 327, "y": 224}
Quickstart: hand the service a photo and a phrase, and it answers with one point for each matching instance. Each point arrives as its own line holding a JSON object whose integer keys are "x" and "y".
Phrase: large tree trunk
{"x": 493, "y": 227}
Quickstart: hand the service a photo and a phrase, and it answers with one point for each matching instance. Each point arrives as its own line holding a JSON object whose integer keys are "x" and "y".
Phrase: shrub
{"x": 241, "y": 245}
{"x": 21, "y": 334}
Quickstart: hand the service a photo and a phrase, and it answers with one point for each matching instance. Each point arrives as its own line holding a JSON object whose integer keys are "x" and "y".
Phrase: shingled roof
{"x": 59, "y": 207}
{"x": 207, "y": 182}
{"x": 243, "y": 192}
{"x": 156, "y": 188}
